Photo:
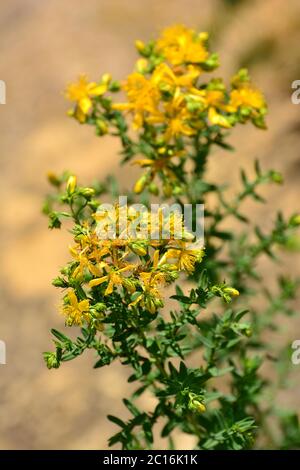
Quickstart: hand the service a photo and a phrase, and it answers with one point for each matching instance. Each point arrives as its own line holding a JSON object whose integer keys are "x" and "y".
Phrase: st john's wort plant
{"x": 200, "y": 353}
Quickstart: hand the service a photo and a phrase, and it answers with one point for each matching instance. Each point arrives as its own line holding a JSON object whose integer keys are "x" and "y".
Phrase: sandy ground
{"x": 43, "y": 46}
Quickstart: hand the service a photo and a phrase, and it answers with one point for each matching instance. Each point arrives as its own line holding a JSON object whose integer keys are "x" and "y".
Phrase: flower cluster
{"x": 146, "y": 252}
{"x": 171, "y": 103}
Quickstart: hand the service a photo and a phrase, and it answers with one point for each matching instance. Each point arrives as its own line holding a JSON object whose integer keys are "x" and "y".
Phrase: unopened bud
{"x": 167, "y": 189}
{"x": 106, "y": 78}
{"x": 203, "y": 36}
{"x": 51, "y": 360}
{"x": 139, "y": 248}
{"x": 295, "y": 220}
{"x": 276, "y": 177}
{"x": 71, "y": 184}
{"x": 129, "y": 285}
{"x": 87, "y": 192}
{"x": 142, "y": 65}
{"x": 59, "y": 282}
{"x": 140, "y": 45}
{"x": 248, "y": 332}
{"x": 102, "y": 127}
{"x": 196, "y": 405}
{"x": 140, "y": 184}
{"x": 231, "y": 291}
{"x": 53, "y": 179}
{"x": 153, "y": 189}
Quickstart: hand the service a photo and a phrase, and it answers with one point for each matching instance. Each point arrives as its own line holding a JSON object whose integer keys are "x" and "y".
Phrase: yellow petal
{"x": 84, "y": 305}
{"x": 122, "y": 106}
{"x": 155, "y": 258}
{"x": 97, "y": 282}
{"x": 217, "y": 119}
{"x": 109, "y": 288}
{"x": 85, "y": 105}
{"x": 72, "y": 298}
{"x": 96, "y": 90}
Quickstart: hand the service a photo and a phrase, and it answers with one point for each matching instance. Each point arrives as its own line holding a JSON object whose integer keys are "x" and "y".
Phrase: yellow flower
{"x": 151, "y": 281}
{"x": 82, "y": 93}
{"x": 247, "y": 96}
{"x": 248, "y": 99}
{"x": 143, "y": 97}
{"x": 177, "y": 120}
{"x": 214, "y": 101}
{"x": 185, "y": 257}
{"x": 159, "y": 165}
{"x": 166, "y": 228}
{"x": 114, "y": 278}
{"x": 150, "y": 298}
{"x": 217, "y": 119}
{"x": 176, "y": 117}
{"x": 76, "y": 311}
{"x": 180, "y": 45}
{"x": 169, "y": 79}
{"x": 84, "y": 263}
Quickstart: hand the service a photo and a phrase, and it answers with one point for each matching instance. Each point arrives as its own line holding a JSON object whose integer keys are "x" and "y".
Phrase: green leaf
{"x": 133, "y": 409}
{"x": 116, "y": 421}
{"x": 63, "y": 338}
{"x": 215, "y": 372}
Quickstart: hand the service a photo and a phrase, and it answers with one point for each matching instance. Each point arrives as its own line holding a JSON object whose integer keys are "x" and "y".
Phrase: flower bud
{"x": 142, "y": 65}
{"x": 71, "y": 184}
{"x": 187, "y": 236}
{"x": 295, "y": 220}
{"x": 196, "y": 405}
{"x": 248, "y": 332}
{"x": 59, "y": 282}
{"x": 99, "y": 307}
{"x": 140, "y": 46}
{"x": 177, "y": 190}
{"x": 203, "y": 36}
{"x": 140, "y": 184}
{"x": 51, "y": 360}
{"x": 153, "y": 189}
{"x": 114, "y": 86}
{"x": 167, "y": 189}
{"x": 231, "y": 291}
{"x": 139, "y": 248}
{"x": 129, "y": 285}
{"x": 101, "y": 127}
{"x": 212, "y": 62}
{"x": 106, "y": 78}
{"x": 200, "y": 407}
{"x": 276, "y": 177}
{"x": 53, "y": 179}
{"x": 150, "y": 305}
{"x": 87, "y": 192}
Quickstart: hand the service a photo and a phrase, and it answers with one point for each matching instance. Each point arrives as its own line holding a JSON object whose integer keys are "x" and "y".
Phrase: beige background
{"x": 45, "y": 44}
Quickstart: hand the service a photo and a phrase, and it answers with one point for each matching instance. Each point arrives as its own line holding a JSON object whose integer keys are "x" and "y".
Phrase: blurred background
{"x": 44, "y": 45}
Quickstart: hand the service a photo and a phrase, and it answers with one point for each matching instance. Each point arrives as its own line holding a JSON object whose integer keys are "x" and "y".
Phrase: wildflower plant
{"x": 179, "y": 313}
